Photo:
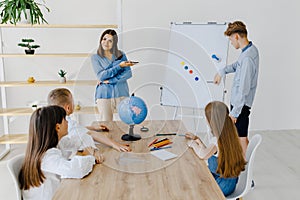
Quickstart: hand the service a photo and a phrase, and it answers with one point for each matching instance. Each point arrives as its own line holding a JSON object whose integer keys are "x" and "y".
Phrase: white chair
{"x": 9, "y": 178}
{"x": 245, "y": 179}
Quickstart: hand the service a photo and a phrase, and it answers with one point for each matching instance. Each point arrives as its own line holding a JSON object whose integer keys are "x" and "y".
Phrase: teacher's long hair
{"x": 42, "y": 136}
{"x": 230, "y": 159}
{"x": 114, "y": 50}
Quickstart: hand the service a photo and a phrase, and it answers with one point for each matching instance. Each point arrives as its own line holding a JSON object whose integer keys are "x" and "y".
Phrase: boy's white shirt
{"x": 76, "y": 139}
{"x": 55, "y": 166}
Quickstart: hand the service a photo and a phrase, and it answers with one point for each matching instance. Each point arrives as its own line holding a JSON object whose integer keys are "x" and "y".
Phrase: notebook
{"x": 163, "y": 154}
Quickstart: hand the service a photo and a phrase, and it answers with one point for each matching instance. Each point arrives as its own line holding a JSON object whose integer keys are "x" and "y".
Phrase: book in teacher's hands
{"x": 163, "y": 154}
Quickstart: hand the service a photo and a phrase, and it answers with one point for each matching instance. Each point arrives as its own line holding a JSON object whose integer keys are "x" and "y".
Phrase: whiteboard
{"x": 196, "y": 52}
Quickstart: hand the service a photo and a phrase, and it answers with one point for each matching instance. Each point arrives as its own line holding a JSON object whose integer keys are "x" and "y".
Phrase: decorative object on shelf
{"x": 12, "y": 10}
{"x": 77, "y": 107}
{"x": 31, "y": 79}
{"x": 30, "y": 47}
{"x": 62, "y": 74}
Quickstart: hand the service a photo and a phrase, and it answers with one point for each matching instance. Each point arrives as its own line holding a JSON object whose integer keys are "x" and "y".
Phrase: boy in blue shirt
{"x": 245, "y": 80}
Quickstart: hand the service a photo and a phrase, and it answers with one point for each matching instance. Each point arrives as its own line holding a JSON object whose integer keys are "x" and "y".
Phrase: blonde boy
{"x": 63, "y": 97}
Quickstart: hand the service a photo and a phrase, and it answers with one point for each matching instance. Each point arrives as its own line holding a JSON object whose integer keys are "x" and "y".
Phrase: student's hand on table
{"x": 99, "y": 157}
{"x": 217, "y": 79}
{"x": 194, "y": 144}
{"x": 121, "y": 147}
{"x": 103, "y": 128}
{"x": 199, "y": 142}
{"x": 100, "y": 128}
{"x": 191, "y": 136}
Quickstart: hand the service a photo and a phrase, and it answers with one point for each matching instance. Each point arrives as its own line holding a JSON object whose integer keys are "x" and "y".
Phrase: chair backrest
{"x": 245, "y": 179}
{"x": 14, "y": 166}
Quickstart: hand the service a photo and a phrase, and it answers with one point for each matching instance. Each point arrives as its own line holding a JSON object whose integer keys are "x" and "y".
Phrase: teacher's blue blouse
{"x": 106, "y": 69}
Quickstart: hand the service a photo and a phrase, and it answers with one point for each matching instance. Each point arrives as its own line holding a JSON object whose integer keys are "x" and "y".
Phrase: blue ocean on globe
{"x": 132, "y": 110}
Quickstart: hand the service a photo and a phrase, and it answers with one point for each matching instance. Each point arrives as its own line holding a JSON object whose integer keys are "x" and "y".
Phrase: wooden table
{"x": 140, "y": 175}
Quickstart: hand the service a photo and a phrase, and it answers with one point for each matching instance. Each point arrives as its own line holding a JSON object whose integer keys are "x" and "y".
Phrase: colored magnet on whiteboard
{"x": 191, "y": 71}
{"x": 216, "y": 58}
{"x": 196, "y": 78}
{"x": 186, "y": 67}
{"x": 182, "y": 63}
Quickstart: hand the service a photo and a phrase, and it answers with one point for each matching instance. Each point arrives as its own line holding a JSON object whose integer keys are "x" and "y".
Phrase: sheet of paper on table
{"x": 163, "y": 154}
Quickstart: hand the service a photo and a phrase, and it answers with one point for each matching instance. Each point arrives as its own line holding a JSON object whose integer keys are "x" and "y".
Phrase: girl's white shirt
{"x": 55, "y": 167}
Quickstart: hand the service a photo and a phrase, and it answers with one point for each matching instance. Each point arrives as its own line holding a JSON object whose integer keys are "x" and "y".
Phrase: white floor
{"x": 276, "y": 170}
{"x": 277, "y": 166}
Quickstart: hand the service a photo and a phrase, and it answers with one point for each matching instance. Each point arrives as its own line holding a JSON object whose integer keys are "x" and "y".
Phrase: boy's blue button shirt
{"x": 245, "y": 80}
{"x": 117, "y": 76}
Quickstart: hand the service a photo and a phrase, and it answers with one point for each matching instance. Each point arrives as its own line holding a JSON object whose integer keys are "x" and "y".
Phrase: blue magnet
{"x": 215, "y": 57}
{"x": 196, "y": 78}
{"x": 186, "y": 67}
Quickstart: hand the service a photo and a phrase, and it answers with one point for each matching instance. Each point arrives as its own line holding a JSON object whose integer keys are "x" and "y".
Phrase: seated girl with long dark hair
{"x": 44, "y": 165}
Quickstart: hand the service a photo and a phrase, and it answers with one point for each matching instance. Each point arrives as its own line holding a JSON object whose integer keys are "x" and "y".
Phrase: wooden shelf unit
{"x": 59, "y": 26}
{"x": 8, "y": 138}
{"x": 29, "y": 111}
{"x": 14, "y": 139}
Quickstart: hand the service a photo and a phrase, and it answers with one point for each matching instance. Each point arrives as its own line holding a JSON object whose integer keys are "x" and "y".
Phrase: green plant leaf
{"x": 11, "y": 11}
{"x": 35, "y": 46}
{"x": 26, "y": 43}
{"x": 27, "y": 40}
{"x": 62, "y": 73}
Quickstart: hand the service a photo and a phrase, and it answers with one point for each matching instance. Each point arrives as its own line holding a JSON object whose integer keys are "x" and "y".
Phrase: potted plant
{"x": 12, "y": 11}
{"x": 62, "y": 74}
{"x": 30, "y": 47}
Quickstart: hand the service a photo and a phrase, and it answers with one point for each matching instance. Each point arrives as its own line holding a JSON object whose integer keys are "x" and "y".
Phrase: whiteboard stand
{"x": 196, "y": 52}
{"x": 176, "y": 115}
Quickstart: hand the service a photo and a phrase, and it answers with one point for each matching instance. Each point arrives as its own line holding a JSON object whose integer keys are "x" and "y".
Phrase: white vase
{"x": 62, "y": 79}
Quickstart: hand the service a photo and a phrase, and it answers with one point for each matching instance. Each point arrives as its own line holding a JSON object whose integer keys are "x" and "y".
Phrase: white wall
{"x": 272, "y": 26}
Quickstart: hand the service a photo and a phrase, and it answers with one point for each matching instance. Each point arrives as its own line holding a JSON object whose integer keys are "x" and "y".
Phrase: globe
{"x": 132, "y": 110}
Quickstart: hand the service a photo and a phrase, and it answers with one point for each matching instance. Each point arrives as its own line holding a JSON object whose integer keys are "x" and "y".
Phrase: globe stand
{"x": 131, "y": 136}
{"x": 144, "y": 129}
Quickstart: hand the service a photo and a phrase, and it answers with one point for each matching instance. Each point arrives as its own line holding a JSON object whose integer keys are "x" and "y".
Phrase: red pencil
{"x": 153, "y": 142}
